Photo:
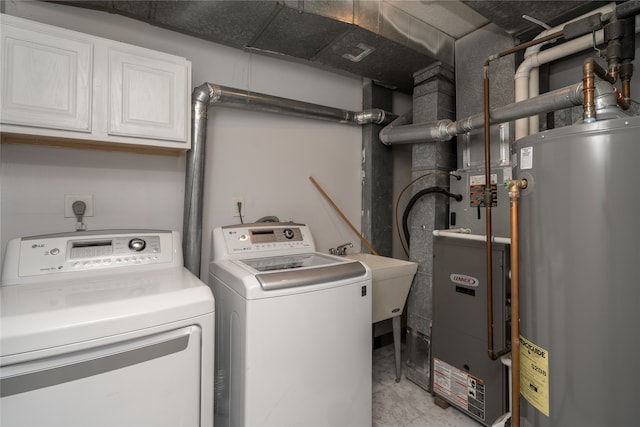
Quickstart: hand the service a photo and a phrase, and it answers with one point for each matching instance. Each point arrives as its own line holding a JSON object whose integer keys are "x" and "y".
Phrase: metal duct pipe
{"x": 419, "y": 132}
{"x": 445, "y": 130}
{"x": 194, "y": 181}
{"x": 209, "y": 94}
{"x": 237, "y": 98}
{"x": 403, "y": 120}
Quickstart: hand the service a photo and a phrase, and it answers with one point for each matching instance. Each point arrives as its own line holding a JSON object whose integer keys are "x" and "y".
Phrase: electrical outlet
{"x": 234, "y": 208}
{"x": 68, "y": 204}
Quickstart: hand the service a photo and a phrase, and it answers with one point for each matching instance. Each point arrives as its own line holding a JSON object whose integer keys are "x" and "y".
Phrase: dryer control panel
{"x": 86, "y": 251}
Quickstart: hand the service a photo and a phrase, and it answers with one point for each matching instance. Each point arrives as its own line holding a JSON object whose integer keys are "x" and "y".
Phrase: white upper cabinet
{"x": 46, "y": 77}
{"x": 64, "y": 87}
{"x": 146, "y": 95}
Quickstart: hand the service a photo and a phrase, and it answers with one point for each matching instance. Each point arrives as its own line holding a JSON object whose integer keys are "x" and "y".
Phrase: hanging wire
{"x": 240, "y": 212}
{"x": 402, "y": 242}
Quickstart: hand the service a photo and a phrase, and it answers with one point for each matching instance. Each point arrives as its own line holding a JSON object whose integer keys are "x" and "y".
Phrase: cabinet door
{"x": 148, "y": 95}
{"x": 46, "y": 76}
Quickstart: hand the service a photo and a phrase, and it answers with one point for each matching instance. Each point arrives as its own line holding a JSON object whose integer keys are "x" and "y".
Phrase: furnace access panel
{"x": 463, "y": 373}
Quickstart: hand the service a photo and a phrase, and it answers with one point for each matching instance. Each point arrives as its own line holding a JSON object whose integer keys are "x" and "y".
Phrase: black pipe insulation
{"x": 629, "y": 40}
{"x": 415, "y": 198}
{"x": 627, "y": 9}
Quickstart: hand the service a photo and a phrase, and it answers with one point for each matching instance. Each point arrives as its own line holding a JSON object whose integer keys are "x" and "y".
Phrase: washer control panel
{"x": 257, "y": 238}
{"x": 81, "y": 251}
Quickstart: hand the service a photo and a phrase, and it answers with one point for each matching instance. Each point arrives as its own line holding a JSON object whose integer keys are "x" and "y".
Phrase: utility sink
{"x": 392, "y": 280}
{"x": 391, "y": 283}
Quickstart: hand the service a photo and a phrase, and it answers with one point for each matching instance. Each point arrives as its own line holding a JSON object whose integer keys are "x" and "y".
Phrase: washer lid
{"x": 289, "y": 271}
{"x": 287, "y": 262}
{"x": 269, "y": 277}
{"x": 59, "y": 312}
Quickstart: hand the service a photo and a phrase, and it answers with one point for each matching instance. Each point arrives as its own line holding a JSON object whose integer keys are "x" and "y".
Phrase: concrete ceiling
{"x": 383, "y": 40}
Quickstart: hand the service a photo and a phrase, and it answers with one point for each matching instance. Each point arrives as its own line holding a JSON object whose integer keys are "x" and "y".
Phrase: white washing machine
{"x": 293, "y": 330}
{"x": 104, "y": 329}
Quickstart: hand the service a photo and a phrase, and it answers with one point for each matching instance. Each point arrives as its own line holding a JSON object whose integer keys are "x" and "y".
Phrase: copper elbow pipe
{"x": 591, "y": 69}
{"x": 620, "y": 99}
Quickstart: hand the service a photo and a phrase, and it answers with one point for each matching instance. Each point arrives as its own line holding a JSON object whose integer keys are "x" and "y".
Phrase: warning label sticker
{"x": 463, "y": 390}
{"x": 534, "y": 375}
{"x": 476, "y": 190}
{"x": 526, "y": 158}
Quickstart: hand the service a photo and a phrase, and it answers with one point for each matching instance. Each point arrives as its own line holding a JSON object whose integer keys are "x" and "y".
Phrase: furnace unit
{"x": 463, "y": 373}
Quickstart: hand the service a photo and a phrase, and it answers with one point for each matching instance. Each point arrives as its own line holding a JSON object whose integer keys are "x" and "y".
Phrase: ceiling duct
{"x": 373, "y": 39}
{"x": 386, "y": 41}
{"x": 524, "y": 19}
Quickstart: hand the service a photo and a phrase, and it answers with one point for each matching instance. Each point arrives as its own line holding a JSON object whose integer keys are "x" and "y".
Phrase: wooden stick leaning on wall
{"x": 344, "y": 218}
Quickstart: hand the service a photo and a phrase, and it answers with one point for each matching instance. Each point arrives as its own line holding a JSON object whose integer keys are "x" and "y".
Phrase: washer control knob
{"x": 137, "y": 244}
{"x": 288, "y": 233}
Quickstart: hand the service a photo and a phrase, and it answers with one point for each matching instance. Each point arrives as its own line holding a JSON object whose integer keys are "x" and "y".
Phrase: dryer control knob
{"x": 137, "y": 244}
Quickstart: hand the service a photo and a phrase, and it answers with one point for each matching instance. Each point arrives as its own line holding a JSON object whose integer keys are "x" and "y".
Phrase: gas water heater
{"x": 579, "y": 275}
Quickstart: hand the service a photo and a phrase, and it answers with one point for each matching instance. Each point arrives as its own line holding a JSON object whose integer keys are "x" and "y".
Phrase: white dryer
{"x": 293, "y": 330}
{"x": 104, "y": 329}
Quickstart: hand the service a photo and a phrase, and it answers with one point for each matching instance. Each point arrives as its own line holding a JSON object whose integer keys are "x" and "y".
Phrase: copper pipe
{"x": 526, "y": 45}
{"x": 591, "y": 69}
{"x": 488, "y": 219}
{"x": 488, "y": 195}
{"x": 514, "y": 187}
{"x": 613, "y": 70}
{"x": 626, "y": 72}
{"x": 488, "y": 201}
{"x": 601, "y": 72}
{"x": 620, "y": 99}
{"x": 626, "y": 89}
{"x": 588, "y": 88}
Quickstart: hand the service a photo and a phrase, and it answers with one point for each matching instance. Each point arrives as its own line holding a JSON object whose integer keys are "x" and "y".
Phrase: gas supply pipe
{"x": 514, "y": 186}
{"x": 488, "y": 193}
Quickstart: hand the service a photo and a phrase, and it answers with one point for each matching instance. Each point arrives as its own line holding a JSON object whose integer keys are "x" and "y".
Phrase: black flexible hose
{"x": 415, "y": 198}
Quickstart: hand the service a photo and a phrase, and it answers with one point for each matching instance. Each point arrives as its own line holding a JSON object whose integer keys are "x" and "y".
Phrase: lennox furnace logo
{"x": 463, "y": 279}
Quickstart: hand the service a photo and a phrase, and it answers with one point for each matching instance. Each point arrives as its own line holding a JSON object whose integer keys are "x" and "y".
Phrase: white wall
{"x": 264, "y": 158}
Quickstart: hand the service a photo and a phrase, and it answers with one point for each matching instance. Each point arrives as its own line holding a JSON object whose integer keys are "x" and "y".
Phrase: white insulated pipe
{"x": 536, "y": 59}
{"x": 461, "y": 234}
{"x": 527, "y": 75}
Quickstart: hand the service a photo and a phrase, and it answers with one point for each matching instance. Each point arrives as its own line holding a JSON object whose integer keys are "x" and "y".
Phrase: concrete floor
{"x": 404, "y": 404}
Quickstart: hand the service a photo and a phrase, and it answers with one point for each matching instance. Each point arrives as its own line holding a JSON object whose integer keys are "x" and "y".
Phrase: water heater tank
{"x": 580, "y": 275}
